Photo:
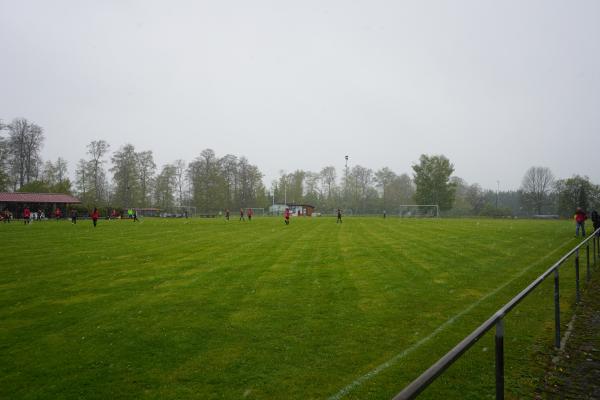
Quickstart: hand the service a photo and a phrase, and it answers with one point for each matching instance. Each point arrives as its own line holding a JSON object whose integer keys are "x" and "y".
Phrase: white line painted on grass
{"x": 359, "y": 381}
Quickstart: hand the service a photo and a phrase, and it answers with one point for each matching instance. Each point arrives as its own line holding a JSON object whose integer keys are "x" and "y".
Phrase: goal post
{"x": 419, "y": 210}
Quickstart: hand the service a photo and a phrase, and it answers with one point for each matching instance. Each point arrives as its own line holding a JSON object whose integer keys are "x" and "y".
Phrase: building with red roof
{"x": 47, "y": 202}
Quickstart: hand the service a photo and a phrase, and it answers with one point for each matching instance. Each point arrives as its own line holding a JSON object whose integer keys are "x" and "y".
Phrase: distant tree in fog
{"x": 536, "y": 187}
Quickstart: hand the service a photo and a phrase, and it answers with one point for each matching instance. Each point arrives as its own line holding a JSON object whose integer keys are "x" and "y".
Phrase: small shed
{"x": 46, "y": 202}
{"x": 302, "y": 209}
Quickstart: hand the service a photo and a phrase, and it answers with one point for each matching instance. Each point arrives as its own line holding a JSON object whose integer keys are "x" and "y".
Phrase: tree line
{"x": 127, "y": 177}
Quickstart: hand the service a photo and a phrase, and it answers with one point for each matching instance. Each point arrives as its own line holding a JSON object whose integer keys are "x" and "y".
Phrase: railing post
{"x": 556, "y": 310}
{"x": 500, "y": 359}
{"x": 577, "y": 276}
{"x": 594, "y": 241}
{"x": 587, "y": 256}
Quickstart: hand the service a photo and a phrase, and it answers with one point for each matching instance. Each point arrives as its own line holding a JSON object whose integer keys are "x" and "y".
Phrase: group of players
{"x": 286, "y": 215}
{"x": 28, "y": 216}
{"x": 6, "y": 216}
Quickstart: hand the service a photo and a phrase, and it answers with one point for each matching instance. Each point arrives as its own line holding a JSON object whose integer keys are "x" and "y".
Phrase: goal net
{"x": 419, "y": 210}
{"x": 257, "y": 211}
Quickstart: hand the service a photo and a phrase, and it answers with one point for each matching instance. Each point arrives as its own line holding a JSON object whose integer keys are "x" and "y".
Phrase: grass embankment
{"x": 209, "y": 309}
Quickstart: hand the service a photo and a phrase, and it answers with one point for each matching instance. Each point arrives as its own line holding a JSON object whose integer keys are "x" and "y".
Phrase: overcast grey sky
{"x": 497, "y": 87}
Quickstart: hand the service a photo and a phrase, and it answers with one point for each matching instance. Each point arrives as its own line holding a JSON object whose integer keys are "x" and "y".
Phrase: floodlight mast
{"x": 346, "y": 182}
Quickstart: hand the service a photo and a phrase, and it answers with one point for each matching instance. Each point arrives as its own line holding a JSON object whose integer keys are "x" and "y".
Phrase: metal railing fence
{"x": 426, "y": 378}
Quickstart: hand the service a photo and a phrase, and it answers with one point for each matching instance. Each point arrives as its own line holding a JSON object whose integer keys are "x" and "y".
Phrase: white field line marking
{"x": 359, "y": 381}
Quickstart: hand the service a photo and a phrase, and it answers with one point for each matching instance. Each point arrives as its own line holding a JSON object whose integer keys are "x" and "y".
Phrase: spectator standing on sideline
{"x": 227, "y": 214}
{"x": 26, "y": 215}
{"x": 339, "y": 216}
{"x": 57, "y": 214}
{"x": 73, "y": 216}
{"x": 95, "y": 216}
{"x": 580, "y": 218}
{"x": 242, "y": 215}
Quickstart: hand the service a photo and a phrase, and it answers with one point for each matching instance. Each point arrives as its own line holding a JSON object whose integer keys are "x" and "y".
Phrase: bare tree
{"x": 384, "y": 178}
{"x": 536, "y": 187}
{"x": 180, "y": 168}
{"x": 60, "y": 168}
{"x": 97, "y": 149}
{"x": 4, "y": 159}
{"x": 81, "y": 179}
{"x": 328, "y": 176}
{"x": 359, "y": 184}
{"x": 146, "y": 169}
{"x": 25, "y": 143}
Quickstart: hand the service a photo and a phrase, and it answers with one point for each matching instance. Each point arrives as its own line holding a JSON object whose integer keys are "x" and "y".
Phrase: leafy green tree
{"x": 574, "y": 192}
{"x": 46, "y": 187}
{"x": 207, "y": 182}
{"x": 432, "y": 178}
{"x": 126, "y": 177}
{"x": 35, "y": 187}
{"x": 296, "y": 186}
{"x": 165, "y": 188}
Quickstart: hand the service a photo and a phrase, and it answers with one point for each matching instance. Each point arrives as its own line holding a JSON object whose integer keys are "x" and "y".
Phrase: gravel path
{"x": 575, "y": 372}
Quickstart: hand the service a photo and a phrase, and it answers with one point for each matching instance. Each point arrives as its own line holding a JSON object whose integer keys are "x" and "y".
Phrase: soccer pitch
{"x": 203, "y": 308}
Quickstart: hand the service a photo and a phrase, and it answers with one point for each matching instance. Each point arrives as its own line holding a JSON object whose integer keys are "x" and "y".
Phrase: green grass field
{"x": 172, "y": 309}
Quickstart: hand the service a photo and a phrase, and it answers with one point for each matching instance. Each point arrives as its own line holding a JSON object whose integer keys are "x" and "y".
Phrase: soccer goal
{"x": 258, "y": 211}
{"x": 419, "y": 210}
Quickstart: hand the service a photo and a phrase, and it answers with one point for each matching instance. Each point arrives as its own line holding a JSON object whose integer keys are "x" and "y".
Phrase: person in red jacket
{"x": 26, "y": 215}
{"x": 57, "y": 213}
{"x": 249, "y": 213}
{"x": 580, "y": 218}
{"x": 95, "y": 216}
{"x": 286, "y": 216}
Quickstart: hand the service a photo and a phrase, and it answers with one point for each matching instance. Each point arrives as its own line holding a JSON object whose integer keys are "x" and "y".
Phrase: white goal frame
{"x": 418, "y": 214}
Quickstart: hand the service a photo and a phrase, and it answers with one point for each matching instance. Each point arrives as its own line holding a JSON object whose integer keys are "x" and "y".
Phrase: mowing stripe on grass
{"x": 374, "y": 372}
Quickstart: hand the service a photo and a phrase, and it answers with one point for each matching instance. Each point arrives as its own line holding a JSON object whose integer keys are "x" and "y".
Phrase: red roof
{"x": 19, "y": 197}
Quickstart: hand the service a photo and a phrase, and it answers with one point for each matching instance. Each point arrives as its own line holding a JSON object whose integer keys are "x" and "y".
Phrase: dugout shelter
{"x": 47, "y": 202}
